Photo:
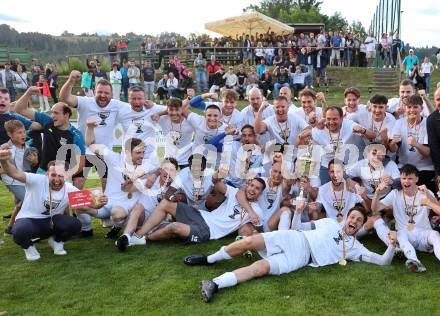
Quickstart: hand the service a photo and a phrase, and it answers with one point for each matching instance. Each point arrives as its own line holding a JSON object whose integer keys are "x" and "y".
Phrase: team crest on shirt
{"x": 206, "y": 139}
{"x": 138, "y": 122}
{"x": 55, "y": 204}
{"x": 339, "y": 204}
{"x": 63, "y": 141}
{"x": 103, "y": 116}
{"x": 285, "y": 134}
{"x": 270, "y": 197}
{"x": 237, "y": 210}
{"x": 411, "y": 211}
{"x": 374, "y": 183}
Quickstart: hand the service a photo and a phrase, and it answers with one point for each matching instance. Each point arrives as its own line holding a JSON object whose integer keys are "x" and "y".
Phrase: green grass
{"x": 95, "y": 279}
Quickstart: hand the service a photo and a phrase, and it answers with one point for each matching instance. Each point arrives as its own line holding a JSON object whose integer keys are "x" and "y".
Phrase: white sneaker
{"x": 135, "y": 240}
{"x": 32, "y": 253}
{"x": 58, "y": 247}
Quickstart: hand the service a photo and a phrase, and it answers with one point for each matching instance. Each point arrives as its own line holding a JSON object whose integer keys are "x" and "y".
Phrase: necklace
{"x": 343, "y": 261}
{"x": 339, "y": 204}
{"x": 51, "y": 203}
{"x": 410, "y": 213}
{"x": 373, "y": 127}
{"x": 332, "y": 141}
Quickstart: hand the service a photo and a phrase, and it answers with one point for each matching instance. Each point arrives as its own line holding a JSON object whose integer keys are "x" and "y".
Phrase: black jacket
{"x": 433, "y": 127}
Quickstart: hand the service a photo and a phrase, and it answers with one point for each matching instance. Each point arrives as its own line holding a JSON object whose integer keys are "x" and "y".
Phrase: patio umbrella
{"x": 250, "y": 22}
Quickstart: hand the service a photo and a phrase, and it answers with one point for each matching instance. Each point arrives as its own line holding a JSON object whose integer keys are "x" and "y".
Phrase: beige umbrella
{"x": 250, "y": 22}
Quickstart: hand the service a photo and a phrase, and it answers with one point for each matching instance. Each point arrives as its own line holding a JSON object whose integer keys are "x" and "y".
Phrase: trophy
{"x": 103, "y": 116}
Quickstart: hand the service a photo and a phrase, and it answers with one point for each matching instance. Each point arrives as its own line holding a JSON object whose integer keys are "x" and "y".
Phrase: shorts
{"x": 418, "y": 238}
{"x": 18, "y": 191}
{"x": 320, "y": 72}
{"x": 199, "y": 230}
{"x": 371, "y": 54}
{"x": 286, "y": 251}
{"x": 93, "y": 160}
{"x": 336, "y": 53}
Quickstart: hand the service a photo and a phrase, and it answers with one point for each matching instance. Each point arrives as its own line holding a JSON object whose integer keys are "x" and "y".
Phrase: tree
{"x": 308, "y": 5}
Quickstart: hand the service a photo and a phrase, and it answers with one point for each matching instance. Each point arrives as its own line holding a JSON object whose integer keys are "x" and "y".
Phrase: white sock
{"x": 382, "y": 230}
{"x": 227, "y": 279}
{"x": 434, "y": 240}
{"x": 284, "y": 223}
{"x": 219, "y": 255}
{"x": 405, "y": 245}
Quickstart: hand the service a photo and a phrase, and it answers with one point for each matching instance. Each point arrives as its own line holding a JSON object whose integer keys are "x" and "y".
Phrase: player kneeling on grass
{"x": 410, "y": 206}
{"x": 317, "y": 244}
{"x": 44, "y": 212}
{"x": 197, "y": 226}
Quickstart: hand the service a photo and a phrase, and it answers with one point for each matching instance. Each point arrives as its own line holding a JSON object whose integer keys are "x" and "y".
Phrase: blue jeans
{"x": 427, "y": 81}
{"x": 149, "y": 89}
{"x": 277, "y": 86}
{"x": 201, "y": 78}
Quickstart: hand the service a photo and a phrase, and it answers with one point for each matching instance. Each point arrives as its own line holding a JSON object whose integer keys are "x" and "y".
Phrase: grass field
{"x": 95, "y": 279}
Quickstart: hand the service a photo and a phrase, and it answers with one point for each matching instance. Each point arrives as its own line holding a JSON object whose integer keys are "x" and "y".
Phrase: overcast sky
{"x": 184, "y": 17}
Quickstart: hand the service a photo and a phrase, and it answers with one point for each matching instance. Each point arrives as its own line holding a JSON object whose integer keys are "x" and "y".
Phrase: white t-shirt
{"x": 371, "y": 177}
{"x": 178, "y": 139}
{"x": 427, "y": 67}
{"x": 243, "y": 162}
{"x": 361, "y": 109}
{"x": 203, "y": 134}
{"x": 401, "y": 213}
{"x": 406, "y": 155}
{"x": 229, "y": 216}
{"x": 249, "y": 116}
{"x": 322, "y": 137}
{"x": 235, "y": 119}
{"x": 184, "y": 182}
{"x": 17, "y": 155}
{"x": 327, "y": 247}
{"x": 365, "y": 119}
{"x": 116, "y": 165}
{"x": 106, "y": 117}
{"x": 345, "y": 198}
{"x": 36, "y": 203}
{"x": 393, "y": 104}
{"x": 270, "y": 201}
{"x": 300, "y": 112}
{"x": 286, "y": 132}
{"x": 370, "y": 44}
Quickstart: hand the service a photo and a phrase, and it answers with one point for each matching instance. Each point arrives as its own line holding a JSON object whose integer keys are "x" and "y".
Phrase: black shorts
{"x": 91, "y": 161}
{"x": 199, "y": 230}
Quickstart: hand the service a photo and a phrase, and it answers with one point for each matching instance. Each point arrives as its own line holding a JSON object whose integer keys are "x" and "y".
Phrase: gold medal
{"x": 410, "y": 226}
{"x": 339, "y": 218}
{"x": 342, "y": 262}
{"x": 129, "y": 195}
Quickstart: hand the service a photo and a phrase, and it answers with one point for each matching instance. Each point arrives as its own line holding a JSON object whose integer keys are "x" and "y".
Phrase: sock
{"x": 219, "y": 255}
{"x": 118, "y": 224}
{"x": 405, "y": 245}
{"x": 382, "y": 230}
{"x": 227, "y": 279}
{"x": 284, "y": 223}
{"x": 434, "y": 240}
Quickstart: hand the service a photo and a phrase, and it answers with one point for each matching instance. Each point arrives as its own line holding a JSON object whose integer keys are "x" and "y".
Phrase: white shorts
{"x": 418, "y": 238}
{"x": 286, "y": 251}
{"x": 126, "y": 205}
{"x": 371, "y": 54}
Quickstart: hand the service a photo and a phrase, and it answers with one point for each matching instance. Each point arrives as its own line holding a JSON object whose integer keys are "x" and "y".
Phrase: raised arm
{"x": 66, "y": 95}
{"x": 21, "y": 106}
{"x": 376, "y": 204}
{"x": 8, "y": 168}
{"x": 260, "y": 127}
{"x": 296, "y": 221}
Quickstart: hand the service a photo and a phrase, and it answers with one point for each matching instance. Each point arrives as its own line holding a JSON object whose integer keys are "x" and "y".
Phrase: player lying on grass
{"x": 317, "y": 244}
